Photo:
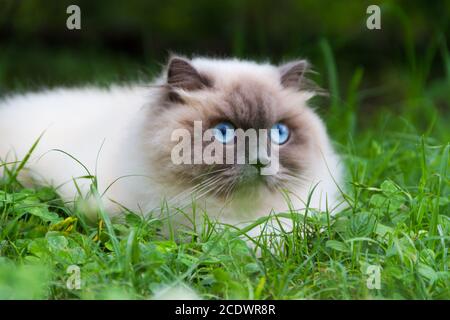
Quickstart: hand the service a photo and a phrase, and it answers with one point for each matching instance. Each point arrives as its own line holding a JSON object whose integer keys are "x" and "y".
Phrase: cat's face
{"x": 230, "y": 94}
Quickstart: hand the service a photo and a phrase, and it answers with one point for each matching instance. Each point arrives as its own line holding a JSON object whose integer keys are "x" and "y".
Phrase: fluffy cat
{"x": 122, "y": 134}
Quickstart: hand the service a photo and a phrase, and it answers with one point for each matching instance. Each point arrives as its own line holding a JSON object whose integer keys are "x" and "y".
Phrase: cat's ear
{"x": 182, "y": 75}
{"x": 292, "y": 73}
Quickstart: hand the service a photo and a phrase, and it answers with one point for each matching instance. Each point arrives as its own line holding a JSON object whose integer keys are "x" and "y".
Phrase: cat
{"x": 123, "y": 135}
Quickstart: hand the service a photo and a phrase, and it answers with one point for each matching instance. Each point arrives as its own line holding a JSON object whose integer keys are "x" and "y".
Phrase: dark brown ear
{"x": 292, "y": 73}
{"x": 181, "y": 74}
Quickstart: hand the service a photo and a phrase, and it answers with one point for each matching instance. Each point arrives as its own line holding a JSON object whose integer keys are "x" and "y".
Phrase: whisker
{"x": 198, "y": 188}
{"x": 209, "y": 173}
{"x": 181, "y": 197}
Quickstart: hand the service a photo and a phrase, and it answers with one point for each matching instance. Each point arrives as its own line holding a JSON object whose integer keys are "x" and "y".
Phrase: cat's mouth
{"x": 247, "y": 181}
{"x": 251, "y": 173}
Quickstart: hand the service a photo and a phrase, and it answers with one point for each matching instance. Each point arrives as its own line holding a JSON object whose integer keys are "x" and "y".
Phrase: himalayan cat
{"x": 123, "y": 135}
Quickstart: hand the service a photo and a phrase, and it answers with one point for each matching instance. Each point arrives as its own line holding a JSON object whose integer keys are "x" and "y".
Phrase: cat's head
{"x": 236, "y": 95}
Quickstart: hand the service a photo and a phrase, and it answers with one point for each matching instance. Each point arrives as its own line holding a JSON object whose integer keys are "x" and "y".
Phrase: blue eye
{"x": 224, "y": 132}
{"x": 279, "y": 133}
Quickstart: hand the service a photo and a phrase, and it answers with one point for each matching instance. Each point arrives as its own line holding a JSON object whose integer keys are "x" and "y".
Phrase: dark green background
{"x": 407, "y": 60}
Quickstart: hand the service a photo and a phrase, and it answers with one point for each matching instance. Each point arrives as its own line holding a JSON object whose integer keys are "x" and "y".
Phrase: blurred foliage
{"x": 127, "y": 40}
{"x": 403, "y": 69}
{"x": 119, "y": 37}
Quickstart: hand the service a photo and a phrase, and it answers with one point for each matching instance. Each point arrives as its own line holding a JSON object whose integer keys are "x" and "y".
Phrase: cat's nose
{"x": 259, "y": 165}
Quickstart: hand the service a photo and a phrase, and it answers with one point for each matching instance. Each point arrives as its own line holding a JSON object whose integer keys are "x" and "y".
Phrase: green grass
{"x": 397, "y": 189}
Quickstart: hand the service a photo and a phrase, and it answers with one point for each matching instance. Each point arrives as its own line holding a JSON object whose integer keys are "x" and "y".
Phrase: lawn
{"x": 396, "y": 224}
